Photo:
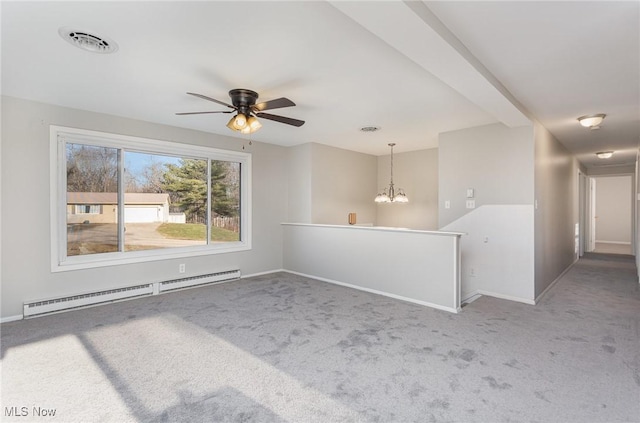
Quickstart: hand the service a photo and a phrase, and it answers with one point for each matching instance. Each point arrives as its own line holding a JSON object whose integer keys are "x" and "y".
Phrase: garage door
{"x": 141, "y": 214}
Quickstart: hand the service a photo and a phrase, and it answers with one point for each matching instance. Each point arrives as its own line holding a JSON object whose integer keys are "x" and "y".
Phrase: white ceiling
{"x": 345, "y": 64}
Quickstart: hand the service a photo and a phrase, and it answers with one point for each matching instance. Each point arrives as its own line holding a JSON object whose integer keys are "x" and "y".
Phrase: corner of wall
{"x": 556, "y": 210}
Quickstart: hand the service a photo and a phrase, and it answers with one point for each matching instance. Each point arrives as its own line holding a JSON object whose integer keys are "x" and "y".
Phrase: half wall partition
{"x": 422, "y": 267}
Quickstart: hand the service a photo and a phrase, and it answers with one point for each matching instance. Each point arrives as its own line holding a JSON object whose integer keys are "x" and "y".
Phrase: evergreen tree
{"x": 186, "y": 184}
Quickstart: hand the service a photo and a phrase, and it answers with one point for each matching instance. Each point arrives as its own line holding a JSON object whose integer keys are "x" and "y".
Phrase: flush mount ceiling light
{"x": 390, "y": 196}
{"x": 592, "y": 121}
{"x": 88, "y": 41}
{"x": 604, "y": 154}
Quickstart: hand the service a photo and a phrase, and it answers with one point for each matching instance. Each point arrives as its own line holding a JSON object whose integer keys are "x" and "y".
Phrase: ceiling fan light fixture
{"x": 254, "y": 124}
{"x": 247, "y": 111}
{"x": 238, "y": 122}
{"x": 592, "y": 121}
{"x": 231, "y": 124}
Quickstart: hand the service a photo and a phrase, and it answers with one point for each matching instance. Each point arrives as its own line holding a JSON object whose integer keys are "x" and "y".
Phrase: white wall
{"x": 497, "y": 162}
{"x": 417, "y": 173}
{"x": 342, "y": 182}
{"x": 417, "y": 266}
{"x": 613, "y": 209}
{"x": 497, "y": 256}
{"x": 25, "y": 241}
{"x": 556, "y": 193}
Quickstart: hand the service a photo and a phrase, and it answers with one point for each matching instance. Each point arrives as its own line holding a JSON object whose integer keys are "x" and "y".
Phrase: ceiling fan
{"x": 244, "y": 103}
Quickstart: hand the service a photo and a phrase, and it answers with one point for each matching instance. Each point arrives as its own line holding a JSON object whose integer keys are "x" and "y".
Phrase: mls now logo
{"x": 25, "y": 412}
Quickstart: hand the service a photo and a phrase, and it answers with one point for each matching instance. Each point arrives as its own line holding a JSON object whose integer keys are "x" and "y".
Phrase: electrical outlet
{"x": 182, "y": 268}
{"x": 471, "y": 204}
{"x": 472, "y": 272}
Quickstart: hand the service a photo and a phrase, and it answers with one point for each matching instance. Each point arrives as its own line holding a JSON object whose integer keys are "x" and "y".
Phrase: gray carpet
{"x": 286, "y": 348}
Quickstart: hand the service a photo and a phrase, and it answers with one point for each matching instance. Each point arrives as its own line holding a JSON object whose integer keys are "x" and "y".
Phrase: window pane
{"x": 92, "y": 184}
{"x": 225, "y": 201}
{"x": 165, "y": 201}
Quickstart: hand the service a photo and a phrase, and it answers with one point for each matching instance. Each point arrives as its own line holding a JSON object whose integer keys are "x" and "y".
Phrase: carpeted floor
{"x": 286, "y": 348}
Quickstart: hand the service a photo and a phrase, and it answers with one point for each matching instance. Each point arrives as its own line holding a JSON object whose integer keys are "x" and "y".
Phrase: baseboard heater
{"x": 38, "y": 308}
{"x": 54, "y": 305}
{"x": 192, "y": 281}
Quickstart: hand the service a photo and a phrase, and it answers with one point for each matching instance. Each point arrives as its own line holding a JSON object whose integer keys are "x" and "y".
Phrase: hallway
{"x": 608, "y": 248}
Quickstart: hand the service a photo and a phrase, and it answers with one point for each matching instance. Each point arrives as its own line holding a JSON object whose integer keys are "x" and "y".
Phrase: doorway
{"x": 609, "y": 213}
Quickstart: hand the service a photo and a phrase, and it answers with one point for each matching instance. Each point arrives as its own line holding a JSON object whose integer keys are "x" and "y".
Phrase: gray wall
{"x": 417, "y": 173}
{"x": 613, "y": 209}
{"x": 299, "y": 175}
{"x": 494, "y": 160}
{"x": 556, "y": 185}
{"x": 637, "y": 213}
{"x": 25, "y": 241}
{"x": 328, "y": 183}
{"x": 342, "y": 182}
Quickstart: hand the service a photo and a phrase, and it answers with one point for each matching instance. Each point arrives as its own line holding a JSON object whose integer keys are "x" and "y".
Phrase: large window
{"x": 118, "y": 199}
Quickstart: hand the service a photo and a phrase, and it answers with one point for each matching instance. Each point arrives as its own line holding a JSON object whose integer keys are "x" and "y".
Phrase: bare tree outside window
{"x": 92, "y": 186}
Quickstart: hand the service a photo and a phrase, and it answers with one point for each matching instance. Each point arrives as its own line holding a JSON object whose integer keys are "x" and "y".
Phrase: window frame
{"x": 60, "y": 135}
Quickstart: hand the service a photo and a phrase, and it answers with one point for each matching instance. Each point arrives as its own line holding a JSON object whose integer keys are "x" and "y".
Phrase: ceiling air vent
{"x": 370, "y": 128}
{"x": 87, "y": 41}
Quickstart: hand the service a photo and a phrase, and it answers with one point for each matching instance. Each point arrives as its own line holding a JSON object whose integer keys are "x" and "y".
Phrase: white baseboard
{"x": 506, "y": 297}
{"x": 268, "y": 272}
{"x": 375, "y": 291}
{"x": 612, "y": 242}
{"x": 551, "y": 285}
{"x": 11, "y": 318}
{"x": 470, "y": 297}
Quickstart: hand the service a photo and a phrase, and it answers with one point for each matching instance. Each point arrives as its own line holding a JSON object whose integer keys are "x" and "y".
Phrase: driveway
{"x": 147, "y": 234}
{"x": 103, "y": 237}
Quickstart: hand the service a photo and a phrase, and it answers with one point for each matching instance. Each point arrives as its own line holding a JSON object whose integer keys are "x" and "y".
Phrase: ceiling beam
{"x": 413, "y": 30}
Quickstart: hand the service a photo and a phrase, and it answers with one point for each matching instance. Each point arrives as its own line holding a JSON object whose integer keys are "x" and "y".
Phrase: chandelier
{"x": 390, "y": 196}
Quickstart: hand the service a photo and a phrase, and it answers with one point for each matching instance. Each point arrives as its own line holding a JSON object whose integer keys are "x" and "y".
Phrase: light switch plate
{"x": 470, "y": 193}
{"x": 447, "y": 204}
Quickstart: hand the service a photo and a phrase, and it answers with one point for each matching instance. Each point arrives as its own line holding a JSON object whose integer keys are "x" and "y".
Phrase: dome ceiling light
{"x": 592, "y": 121}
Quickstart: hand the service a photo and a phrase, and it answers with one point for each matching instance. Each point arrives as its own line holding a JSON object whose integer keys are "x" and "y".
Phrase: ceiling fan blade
{"x": 281, "y": 119}
{"x": 202, "y": 113}
{"x": 212, "y": 99}
{"x": 273, "y": 104}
